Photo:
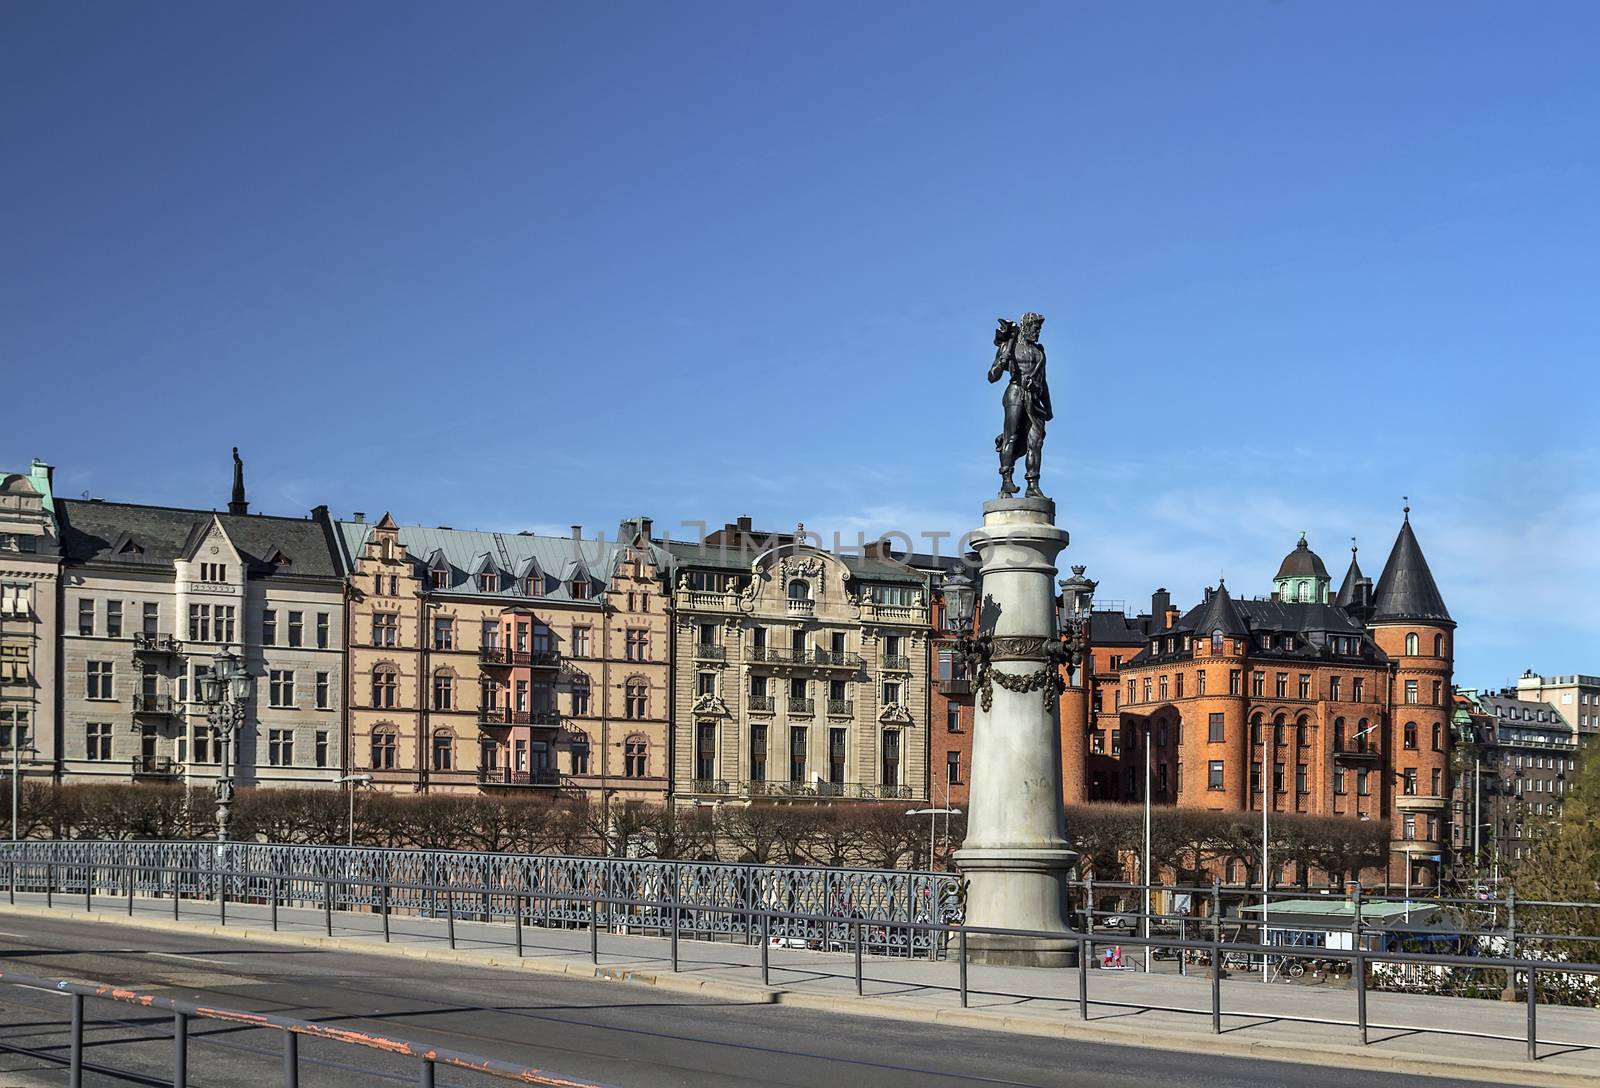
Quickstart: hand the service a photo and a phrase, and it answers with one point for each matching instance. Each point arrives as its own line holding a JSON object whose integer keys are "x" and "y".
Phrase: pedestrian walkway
{"x": 1475, "y": 1039}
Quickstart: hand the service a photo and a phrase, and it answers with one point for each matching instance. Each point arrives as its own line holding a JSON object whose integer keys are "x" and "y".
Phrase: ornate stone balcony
{"x": 696, "y": 600}
{"x": 801, "y": 607}
{"x": 873, "y": 612}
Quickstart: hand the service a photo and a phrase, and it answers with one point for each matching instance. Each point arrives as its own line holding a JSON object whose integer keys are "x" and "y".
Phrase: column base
{"x": 999, "y": 950}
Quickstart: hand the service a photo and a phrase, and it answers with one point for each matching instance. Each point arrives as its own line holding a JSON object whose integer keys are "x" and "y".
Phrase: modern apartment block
{"x": 30, "y": 576}
{"x": 1309, "y": 700}
{"x": 798, "y": 673}
{"x": 1576, "y": 697}
{"x": 507, "y": 661}
{"x": 151, "y": 593}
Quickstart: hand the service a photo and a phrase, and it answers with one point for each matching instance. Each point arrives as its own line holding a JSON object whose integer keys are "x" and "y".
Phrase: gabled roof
{"x": 95, "y": 532}
{"x": 1406, "y": 589}
{"x": 472, "y": 551}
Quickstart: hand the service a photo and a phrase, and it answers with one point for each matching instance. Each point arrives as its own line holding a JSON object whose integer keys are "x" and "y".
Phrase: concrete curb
{"x": 1352, "y": 1057}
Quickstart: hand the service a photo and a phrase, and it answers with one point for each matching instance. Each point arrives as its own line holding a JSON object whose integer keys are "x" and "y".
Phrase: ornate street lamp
{"x": 224, "y": 690}
{"x": 1077, "y": 608}
{"x": 958, "y": 601}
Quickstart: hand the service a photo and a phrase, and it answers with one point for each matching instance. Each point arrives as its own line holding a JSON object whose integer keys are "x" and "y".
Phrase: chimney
{"x": 646, "y": 528}
{"x": 577, "y": 532}
{"x": 743, "y": 524}
{"x": 1160, "y": 603}
{"x": 360, "y": 517}
{"x": 319, "y": 513}
{"x": 1172, "y": 616}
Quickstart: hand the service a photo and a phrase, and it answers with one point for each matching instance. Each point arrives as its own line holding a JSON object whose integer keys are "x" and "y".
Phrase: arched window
{"x": 383, "y": 686}
{"x": 1216, "y": 641}
{"x": 1305, "y": 591}
{"x": 1255, "y": 729}
{"x": 1362, "y": 735}
{"x": 1338, "y": 734}
{"x": 636, "y": 756}
{"x": 383, "y": 748}
{"x": 799, "y": 590}
{"x": 1302, "y": 734}
{"x": 1438, "y": 645}
{"x": 636, "y": 701}
{"x": 1437, "y": 737}
{"x": 1413, "y": 644}
{"x": 1411, "y": 737}
{"x": 444, "y": 690}
{"x": 443, "y": 750}
{"x": 1277, "y": 731}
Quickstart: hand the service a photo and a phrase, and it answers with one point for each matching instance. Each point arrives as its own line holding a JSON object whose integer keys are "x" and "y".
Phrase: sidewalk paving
{"x": 1441, "y": 1036}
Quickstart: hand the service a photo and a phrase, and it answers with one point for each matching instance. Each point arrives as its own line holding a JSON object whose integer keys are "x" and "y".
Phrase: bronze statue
{"x": 1027, "y": 400}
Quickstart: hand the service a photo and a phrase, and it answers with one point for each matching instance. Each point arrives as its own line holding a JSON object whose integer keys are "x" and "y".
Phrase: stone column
{"x": 1016, "y": 856}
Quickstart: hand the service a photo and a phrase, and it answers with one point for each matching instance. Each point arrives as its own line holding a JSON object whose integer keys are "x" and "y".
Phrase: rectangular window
{"x": 1147, "y": 689}
{"x": 797, "y": 753}
{"x": 280, "y": 687}
{"x": 758, "y": 752}
{"x": 1438, "y": 691}
{"x": 1357, "y": 685}
{"x": 1363, "y": 782}
{"x": 297, "y": 628}
{"x": 1255, "y": 776}
{"x": 705, "y": 683}
{"x": 1408, "y": 782}
{"x": 443, "y": 758}
{"x": 1214, "y": 775}
{"x": 100, "y": 685}
{"x": 891, "y": 757}
{"x": 580, "y": 700}
{"x": 269, "y": 627}
{"x": 280, "y": 747}
{"x": 86, "y": 616}
{"x": 891, "y": 692}
{"x": 322, "y": 747}
{"x": 1305, "y": 686}
{"x": 952, "y": 717}
{"x": 1433, "y": 782}
{"x": 1301, "y": 784}
{"x": 322, "y": 630}
{"x": 1215, "y": 735}
{"x": 385, "y": 629}
{"x": 1178, "y": 685}
{"x": 1235, "y": 681}
{"x": 97, "y": 740}
{"x": 1338, "y": 781}
{"x": 952, "y": 768}
{"x": 322, "y": 691}
{"x": 444, "y": 689}
{"x": 836, "y": 756}
{"x": 705, "y": 751}
{"x": 1333, "y": 689}
{"x": 1200, "y": 682}
{"x": 1163, "y": 687}
{"x": 152, "y": 618}
{"x": 1258, "y": 684}
{"x": 113, "y": 619}
{"x": 1409, "y": 826}
{"x": 1282, "y": 685}
{"x": 1411, "y": 691}
{"x": 580, "y": 642}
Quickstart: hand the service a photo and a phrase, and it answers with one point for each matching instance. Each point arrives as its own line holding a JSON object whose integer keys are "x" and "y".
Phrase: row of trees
{"x": 1187, "y": 844}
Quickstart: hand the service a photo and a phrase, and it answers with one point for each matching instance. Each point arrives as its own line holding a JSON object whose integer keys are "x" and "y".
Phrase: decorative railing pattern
{"x": 550, "y": 890}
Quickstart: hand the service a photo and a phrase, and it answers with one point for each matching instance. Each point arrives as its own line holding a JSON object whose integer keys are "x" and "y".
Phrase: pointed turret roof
{"x": 1219, "y": 614}
{"x": 1406, "y": 590}
{"x": 1352, "y": 581}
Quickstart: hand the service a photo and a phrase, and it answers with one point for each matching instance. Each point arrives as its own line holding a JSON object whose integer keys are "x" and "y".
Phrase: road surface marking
{"x": 194, "y": 959}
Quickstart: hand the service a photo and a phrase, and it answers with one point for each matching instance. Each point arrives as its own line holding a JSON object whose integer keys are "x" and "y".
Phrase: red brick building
{"x": 1310, "y": 700}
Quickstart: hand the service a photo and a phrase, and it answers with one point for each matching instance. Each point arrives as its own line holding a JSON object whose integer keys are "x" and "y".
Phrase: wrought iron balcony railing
{"x": 144, "y": 703}
{"x": 836, "y": 659}
{"x": 710, "y": 785}
{"x": 802, "y": 706}
{"x": 156, "y": 644}
{"x": 537, "y": 659}
{"x": 955, "y": 685}
{"x": 761, "y": 704}
{"x": 841, "y": 708}
{"x": 709, "y": 651}
{"x": 500, "y": 715}
{"x": 897, "y": 663}
{"x": 154, "y": 767}
{"x": 505, "y": 776}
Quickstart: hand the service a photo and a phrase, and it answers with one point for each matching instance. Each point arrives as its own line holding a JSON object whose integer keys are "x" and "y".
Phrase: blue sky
{"x": 525, "y": 265}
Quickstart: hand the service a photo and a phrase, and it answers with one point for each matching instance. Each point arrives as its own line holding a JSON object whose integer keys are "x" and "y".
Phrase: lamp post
{"x": 932, "y": 814}
{"x": 16, "y": 773}
{"x": 353, "y": 780}
{"x": 224, "y": 690}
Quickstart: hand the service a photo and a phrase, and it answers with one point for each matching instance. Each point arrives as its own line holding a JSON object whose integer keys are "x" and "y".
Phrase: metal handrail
{"x": 426, "y": 1055}
{"x": 599, "y": 895}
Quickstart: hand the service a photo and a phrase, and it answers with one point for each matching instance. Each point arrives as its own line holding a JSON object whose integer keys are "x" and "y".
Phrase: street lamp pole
{"x": 353, "y": 780}
{"x": 224, "y": 690}
{"x": 1145, "y": 871}
{"x": 1269, "y": 753}
{"x": 932, "y": 814}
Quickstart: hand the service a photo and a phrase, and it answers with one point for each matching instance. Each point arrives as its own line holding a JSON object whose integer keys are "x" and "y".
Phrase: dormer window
{"x": 1266, "y": 642}
{"x": 1288, "y": 642}
{"x": 489, "y": 581}
{"x": 441, "y": 579}
{"x": 580, "y": 589}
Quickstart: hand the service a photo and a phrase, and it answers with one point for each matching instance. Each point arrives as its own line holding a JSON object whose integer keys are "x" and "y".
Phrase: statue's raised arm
{"x": 1026, "y": 400}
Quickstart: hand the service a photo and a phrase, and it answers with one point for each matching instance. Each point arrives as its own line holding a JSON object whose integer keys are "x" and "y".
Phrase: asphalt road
{"x": 612, "y": 1033}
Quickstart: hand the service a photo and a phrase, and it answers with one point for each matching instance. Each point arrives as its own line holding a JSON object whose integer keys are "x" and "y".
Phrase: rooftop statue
{"x": 1027, "y": 400}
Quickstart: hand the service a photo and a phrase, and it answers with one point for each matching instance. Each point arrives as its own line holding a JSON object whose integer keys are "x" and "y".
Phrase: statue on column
{"x": 1019, "y": 354}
